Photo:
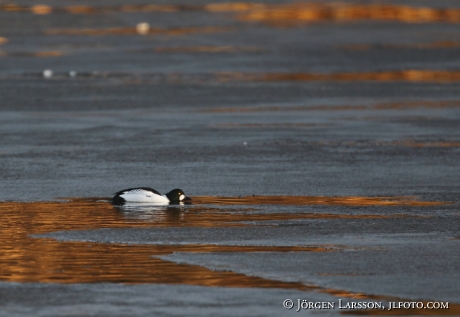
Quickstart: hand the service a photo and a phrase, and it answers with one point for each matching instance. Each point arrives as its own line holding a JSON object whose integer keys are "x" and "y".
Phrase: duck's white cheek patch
{"x": 181, "y": 197}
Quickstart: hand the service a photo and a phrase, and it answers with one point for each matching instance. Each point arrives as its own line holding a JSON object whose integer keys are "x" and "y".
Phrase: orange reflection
{"x": 273, "y": 14}
{"x": 41, "y": 9}
{"x": 43, "y": 217}
{"x": 292, "y": 14}
{"x": 32, "y": 54}
{"x": 148, "y": 8}
{"x": 10, "y": 7}
{"x": 402, "y": 75}
{"x": 132, "y": 31}
{"x": 234, "y": 7}
{"x": 3, "y": 40}
{"x": 25, "y": 259}
{"x": 46, "y": 260}
{"x": 80, "y": 9}
{"x": 315, "y": 200}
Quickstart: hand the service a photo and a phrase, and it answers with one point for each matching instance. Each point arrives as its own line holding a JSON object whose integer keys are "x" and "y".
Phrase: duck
{"x": 149, "y": 195}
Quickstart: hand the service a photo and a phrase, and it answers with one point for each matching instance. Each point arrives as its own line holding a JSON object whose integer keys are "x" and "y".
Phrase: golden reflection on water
{"x": 315, "y": 200}
{"x": 412, "y": 75}
{"x": 47, "y": 260}
{"x": 41, "y": 9}
{"x": 273, "y": 14}
{"x": 27, "y": 259}
{"x": 292, "y": 14}
{"x": 31, "y": 54}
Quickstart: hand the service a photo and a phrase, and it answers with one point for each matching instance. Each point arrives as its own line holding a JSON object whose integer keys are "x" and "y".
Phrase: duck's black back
{"x": 144, "y": 188}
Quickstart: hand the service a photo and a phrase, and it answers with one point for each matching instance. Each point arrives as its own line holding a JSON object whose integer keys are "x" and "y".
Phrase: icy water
{"x": 319, "y": 141}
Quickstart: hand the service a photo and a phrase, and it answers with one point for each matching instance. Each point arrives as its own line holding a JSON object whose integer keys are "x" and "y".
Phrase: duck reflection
{"x": 171, "y": 214}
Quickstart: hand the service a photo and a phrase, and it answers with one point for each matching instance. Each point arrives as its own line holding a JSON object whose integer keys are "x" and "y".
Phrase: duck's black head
{"x": 177, "y": 196}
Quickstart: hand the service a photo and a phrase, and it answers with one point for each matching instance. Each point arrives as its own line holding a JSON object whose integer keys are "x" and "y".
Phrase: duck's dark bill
{"x": 187, "y": 200}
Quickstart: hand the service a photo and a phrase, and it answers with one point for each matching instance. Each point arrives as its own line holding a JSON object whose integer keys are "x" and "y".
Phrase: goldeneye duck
{"x": 149, "y": 195}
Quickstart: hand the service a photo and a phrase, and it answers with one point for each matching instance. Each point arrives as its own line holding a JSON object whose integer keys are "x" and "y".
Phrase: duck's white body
{"x": 140, "y": 195}
{"x": 149, "y": 195}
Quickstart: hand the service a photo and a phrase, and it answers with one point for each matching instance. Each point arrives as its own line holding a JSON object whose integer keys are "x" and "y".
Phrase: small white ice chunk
{"x": 47, "y": 73}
